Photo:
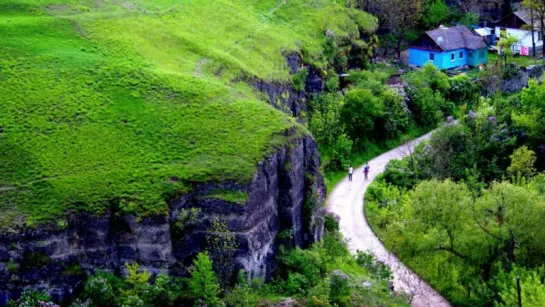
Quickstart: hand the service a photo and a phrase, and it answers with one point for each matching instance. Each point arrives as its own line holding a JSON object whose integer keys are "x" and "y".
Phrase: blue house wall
{"x": 446, "y": 61}
{"x": 419, "y": 57}
{"x": 443, "y": 60}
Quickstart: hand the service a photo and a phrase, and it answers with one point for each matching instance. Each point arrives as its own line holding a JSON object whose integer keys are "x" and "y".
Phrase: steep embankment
{"x": 346, "y": 202}
{"x": 127, "y": 127}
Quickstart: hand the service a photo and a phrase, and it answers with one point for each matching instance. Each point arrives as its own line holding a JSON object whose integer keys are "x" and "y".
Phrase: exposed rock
{"x": 315, "y": 82}
{"x": 286, "y": 193}
{"x": 289, "y": 302}
{"x": 515, "y": 83}
{"x": 294, "y": 62}
{"x": 283, "y": 96}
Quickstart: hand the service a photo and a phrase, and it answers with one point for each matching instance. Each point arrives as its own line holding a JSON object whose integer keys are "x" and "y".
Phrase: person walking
{"x": 350, "y": 172}
{"x": 366, "y": 170}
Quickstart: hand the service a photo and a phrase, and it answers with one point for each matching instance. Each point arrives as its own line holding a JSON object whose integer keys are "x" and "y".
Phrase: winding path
{"x": 346, "y": 201}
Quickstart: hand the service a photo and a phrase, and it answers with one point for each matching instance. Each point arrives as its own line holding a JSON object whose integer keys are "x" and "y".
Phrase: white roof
{"x": 484, "y": 31}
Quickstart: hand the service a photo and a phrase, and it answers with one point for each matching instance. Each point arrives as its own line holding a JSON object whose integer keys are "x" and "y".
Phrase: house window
{"x": 461, "y": 55}
{"x": 481, "y": 54}
{"x": 452, "y": 56}
{"x": 432, "y": 56}
{"x": 470, "y": 54}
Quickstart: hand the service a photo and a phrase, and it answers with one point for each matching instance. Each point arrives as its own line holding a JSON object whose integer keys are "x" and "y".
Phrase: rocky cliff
{"x": 284, "y": 197}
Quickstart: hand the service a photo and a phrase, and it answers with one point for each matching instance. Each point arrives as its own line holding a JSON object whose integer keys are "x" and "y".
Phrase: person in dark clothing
{"x": 366, "y": 169}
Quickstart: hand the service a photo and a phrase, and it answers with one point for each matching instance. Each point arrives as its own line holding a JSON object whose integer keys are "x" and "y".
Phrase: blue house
{"x": 448, "y": 48}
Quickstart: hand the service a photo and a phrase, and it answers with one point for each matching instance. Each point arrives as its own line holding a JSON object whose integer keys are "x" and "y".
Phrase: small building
{"x": 448, "y": 48}
{"x": 519, "y": 24}
{"x": 488, "y": 34}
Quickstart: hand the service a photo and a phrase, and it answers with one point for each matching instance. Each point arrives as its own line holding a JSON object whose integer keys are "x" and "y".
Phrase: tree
{"x": 537, "y": 8}
{"x": 522, "y": 162}
{"x": 398, "y": 17}
{"x": 531, "y": 117}
{"x": 203, "y": 284}
{"x": 436, "y": 12}
{"x": 222, "y": 245}
{"x": 505, "y": 44}
{"x": 359, "y": 112}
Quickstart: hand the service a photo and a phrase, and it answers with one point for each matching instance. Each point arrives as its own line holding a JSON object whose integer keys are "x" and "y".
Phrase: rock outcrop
{"x": 516, "y": 82}
{"x": 284, "y": 196}
{"x": 284, "y": 95}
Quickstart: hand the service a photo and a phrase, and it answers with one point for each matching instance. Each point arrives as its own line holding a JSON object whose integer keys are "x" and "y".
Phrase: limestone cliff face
{"x": 284, "y": 196}
{"x": 284, "y": 96}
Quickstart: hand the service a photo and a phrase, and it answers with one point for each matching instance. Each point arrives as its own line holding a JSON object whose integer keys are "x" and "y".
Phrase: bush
{"x": 396, "y": 114}
{"x": 463, "y": 90}
{"x": 340, "y": 288}
{"x": 332, "y": 83}
{"x": 32, "y": 298}
{"x": 203, "y": 283}
{"x": 365, "y": 79}
{"x": 300, "y": 80}
{"x": 331, "y": 223}
{"x": 340, "y": 158}
{"x": 303, "y": 268}
{"x": 426, "y": 105}
{"x": 242, "y": 296}
{"x": 429, "y": 77}
{"x": 361, "y": 109}
{"x": 325, "y": 118}
{"x": 377, "y": 268}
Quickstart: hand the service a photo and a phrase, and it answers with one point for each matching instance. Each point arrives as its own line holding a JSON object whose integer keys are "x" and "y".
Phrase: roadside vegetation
{"x": 466, "y": 209}
{"x": 372, "y": 117}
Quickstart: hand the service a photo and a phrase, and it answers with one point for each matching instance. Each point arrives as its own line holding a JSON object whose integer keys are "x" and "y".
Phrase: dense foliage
{"x": 466, "y": 210}
{"x": 368, "y": 114}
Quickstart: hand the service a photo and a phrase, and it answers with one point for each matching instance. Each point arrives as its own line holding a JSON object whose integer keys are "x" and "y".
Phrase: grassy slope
{"x": 126, "y": 102}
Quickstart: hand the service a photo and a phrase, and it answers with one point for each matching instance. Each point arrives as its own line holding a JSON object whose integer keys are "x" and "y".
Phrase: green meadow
{"x": 126, "y": 104}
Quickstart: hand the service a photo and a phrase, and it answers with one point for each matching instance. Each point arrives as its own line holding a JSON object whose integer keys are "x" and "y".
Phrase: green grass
{"x": 236, "y": 197}
{"x": 518, "y": 60}
{"x": 126, "y": 103}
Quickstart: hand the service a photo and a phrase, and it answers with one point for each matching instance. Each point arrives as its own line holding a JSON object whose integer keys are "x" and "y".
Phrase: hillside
{"x": 128, "y": 103}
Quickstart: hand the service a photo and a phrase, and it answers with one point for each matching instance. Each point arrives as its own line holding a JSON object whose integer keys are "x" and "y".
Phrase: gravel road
{"x": 346, "y": 201}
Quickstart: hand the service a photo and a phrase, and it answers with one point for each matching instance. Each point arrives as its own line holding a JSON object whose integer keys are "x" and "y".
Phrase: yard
{"x": 519, "y": 60}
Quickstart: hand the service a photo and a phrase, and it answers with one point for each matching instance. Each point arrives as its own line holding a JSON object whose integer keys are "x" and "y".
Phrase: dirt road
{"x": 346, "y": 201}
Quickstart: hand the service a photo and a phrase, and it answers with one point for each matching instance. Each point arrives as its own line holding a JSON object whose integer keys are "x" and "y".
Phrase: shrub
{"x": 340, "y": 158}
{"x": 462, "y": 90}
{"x": 361, "y": 109}
{"x": 325, "y": 118}
{"x": 303, "y": 268}
{"x": 340, "y": 288}
{"x": 12, "y": 266}
{"x": 366, "y": 79}
{"x": 331, "y": 223}
{"x": 299, "y": 80}
{"x": 203, "y": 283}
{"x": 32, "y": 298}
{"x": 522, "y": 162}
{"x": 426, "y": 105}
{"x": 332, "y": 83}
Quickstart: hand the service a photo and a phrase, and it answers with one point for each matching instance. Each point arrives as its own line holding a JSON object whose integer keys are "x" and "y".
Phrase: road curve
{"x": 346, "y": 201}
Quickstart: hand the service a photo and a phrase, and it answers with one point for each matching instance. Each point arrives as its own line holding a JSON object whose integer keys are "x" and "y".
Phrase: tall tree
{"x": 398, "y": 17}
{"x": 537, "y": 8}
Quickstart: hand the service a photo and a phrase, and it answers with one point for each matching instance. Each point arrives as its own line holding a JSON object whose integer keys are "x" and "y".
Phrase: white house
{"x": 519, "y": 24}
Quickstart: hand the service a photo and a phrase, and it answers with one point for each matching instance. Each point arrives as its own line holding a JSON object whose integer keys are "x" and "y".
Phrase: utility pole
{"x": 533, "y": 33}
{"x": 518, "y": 292}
